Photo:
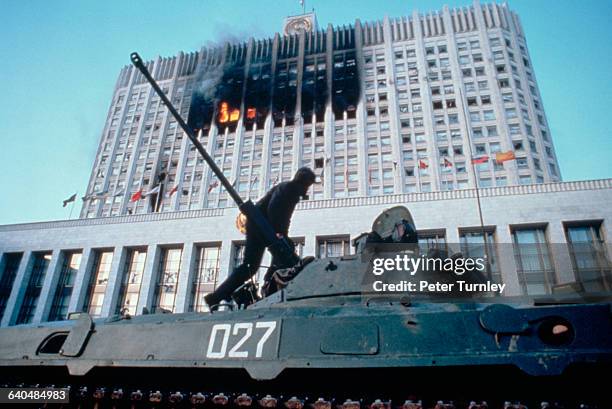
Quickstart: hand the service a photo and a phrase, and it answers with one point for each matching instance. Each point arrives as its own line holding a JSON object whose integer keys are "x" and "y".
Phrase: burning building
{"x": 395, "y": 106}
{"x": 412, "y": 110}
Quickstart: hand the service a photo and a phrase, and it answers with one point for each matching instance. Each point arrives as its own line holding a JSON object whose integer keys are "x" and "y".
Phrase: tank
{"x": 325, "y": 340}
{"x": 322, "y": 341}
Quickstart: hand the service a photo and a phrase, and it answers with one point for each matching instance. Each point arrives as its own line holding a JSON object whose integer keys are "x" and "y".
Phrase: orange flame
{"x": 226, "y": 114}
{"x": 223, "y": 114}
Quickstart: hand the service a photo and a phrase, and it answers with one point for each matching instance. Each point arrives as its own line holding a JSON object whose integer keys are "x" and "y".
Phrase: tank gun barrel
{"x": 279, "y": 247}
{"x": 138, "y": 63}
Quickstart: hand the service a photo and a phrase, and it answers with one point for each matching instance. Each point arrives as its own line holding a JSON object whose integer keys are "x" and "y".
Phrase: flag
{"x": 480, "y": 159}
{"x": 136, "y": 196}
{"x": 423, "y": 165}
{"x": 501, "y": 157}
{"x": 369, "y": 175}
{"x": 173, "y": 190}
{"x": 97, "y": 196}
{"x": 213, "y": 185}
{"x": 69, "y": 200}
{"x": 447, "y": 163}
{"x": 153, "y": 191}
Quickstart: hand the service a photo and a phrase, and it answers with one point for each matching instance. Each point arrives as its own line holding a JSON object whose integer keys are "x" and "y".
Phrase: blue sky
{"x": 60, "y": 61}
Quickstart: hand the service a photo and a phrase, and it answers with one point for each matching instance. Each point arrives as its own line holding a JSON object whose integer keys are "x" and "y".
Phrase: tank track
{"x": 84, "y": 397}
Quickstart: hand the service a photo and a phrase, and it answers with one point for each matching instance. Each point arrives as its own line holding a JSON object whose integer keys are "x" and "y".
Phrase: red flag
{"x": 422, "y": 165}
{"x": 213, "y": 185}
{"x": 501, "y": 157}
{"x": 173, "y": 191}
{"x": 481, "y": 159}
{"x": 136, "y": 196}
{"x": 447, "y": 163}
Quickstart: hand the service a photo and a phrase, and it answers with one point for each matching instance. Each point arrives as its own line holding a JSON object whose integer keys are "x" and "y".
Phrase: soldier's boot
{"x": 227, "y": 287}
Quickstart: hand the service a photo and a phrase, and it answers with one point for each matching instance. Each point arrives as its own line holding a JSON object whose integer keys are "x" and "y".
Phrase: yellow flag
{"x": 501, "y": 157}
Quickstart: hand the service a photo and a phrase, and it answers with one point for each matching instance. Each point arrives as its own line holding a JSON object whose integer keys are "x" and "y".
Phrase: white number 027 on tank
{"x": 239, "y": 340}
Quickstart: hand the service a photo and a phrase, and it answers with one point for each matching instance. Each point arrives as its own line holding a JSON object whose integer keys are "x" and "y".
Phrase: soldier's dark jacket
{"x": 279, "y": 203}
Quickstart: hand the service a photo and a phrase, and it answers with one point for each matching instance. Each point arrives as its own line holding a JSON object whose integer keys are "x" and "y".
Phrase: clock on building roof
{"x": 306, "y": 22}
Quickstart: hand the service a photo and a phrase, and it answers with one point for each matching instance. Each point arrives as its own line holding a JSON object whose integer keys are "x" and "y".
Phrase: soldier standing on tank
{"x": 277, "y": 206}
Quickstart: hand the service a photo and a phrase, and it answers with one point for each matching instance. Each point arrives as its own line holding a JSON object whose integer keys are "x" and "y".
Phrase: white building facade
{"x": 540, "y": 236}
{"x": 387, "y": 113}
{"x": 394, "y": 106}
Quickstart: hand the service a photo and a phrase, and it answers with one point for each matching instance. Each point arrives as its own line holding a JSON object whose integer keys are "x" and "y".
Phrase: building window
{"x": 167, "y": 279}
{"x": 35, "y": 283}
{"x": 11, "y": 263}
{"x": 206, "y": 275}
{"x": 131, "y": 281}
{"x": 431, "y": 240}
{"x": 533, "y": 262}
{"x": 333, "y": 246}
{"x": 97, "y": 282}
{"x": 473, "y": 245}
{"x": 70, "y": 266}
{"x": 589, "y": 258}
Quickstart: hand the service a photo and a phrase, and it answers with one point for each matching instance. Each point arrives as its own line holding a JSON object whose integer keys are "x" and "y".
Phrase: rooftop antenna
{"x": 303, "y": 4}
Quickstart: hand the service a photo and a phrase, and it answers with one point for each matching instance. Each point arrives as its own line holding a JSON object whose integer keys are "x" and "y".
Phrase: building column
{"x": 186, "y": 277}
{"x": 114, "y": 282}
{"x": 506, "y": 261}
{"x": 428, "y": 113}
{"x": 509, "y": 168}
{"x": 81, "y": 281}
{"x": 327, "y": 177}
{"x": 19, "y": 286}
{"x": 310, "y": 246}
{"x": 561, "y": 257}
{"x": 393, "y": 108}
{"x": 49, "y": 285}
{"x": 149, "y": 278}
{"x": 360, "y": 115}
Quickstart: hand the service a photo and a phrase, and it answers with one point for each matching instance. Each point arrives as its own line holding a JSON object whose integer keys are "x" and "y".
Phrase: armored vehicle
{"x": 326, "y": 339}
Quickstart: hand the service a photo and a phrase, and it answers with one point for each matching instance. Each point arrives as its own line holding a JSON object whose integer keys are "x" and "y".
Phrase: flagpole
{"x": 72, "y": 207}
{"x": 476, "y": 180}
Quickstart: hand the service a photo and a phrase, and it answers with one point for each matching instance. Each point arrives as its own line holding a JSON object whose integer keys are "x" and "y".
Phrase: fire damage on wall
{"x": 286, "y": 78}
